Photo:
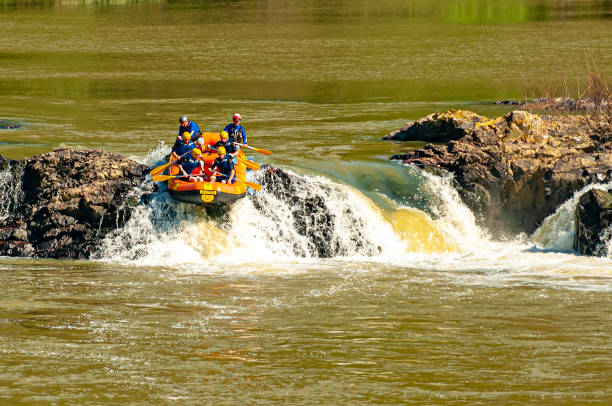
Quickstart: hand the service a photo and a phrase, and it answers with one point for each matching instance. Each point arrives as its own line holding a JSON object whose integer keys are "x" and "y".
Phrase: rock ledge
{"x": 62, "y": 203}
{"x": 513, "y": 170}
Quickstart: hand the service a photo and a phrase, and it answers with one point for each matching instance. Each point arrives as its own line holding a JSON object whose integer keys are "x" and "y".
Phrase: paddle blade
{"x": 159, "y": 169}
{"x": 163, "y": 178}
{"x": 254, "y": 186}
{"x": 250, "y": 164}
{"x": 263, "y": 151}
{"x": 260, "y": 150}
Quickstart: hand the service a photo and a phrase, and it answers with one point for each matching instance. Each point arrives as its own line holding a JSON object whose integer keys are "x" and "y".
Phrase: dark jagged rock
{"x": 62, "y": 203}
{"x": 593, "y": 222}
{"x": 311, "y": 216}
{"x": 517, "y": 169}
{"x": 437, "y": 127}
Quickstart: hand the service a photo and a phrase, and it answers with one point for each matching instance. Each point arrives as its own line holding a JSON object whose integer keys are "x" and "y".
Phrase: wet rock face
{"x": 593, "y": 222}
{"x": 311, "y": 217}
{"x": 437, "y": 127}
{"x": 65, "y": 201}
{"x": 516, "y": 170}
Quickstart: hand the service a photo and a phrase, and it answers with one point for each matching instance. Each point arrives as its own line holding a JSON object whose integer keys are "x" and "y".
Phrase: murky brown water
{"x": 318, "y": 84}
{"x": 80, "y": 333}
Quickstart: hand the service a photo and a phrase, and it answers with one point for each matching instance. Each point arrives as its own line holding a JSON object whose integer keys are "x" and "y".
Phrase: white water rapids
{"x": 261, "y": 231}
{"x": 265, "y": 233}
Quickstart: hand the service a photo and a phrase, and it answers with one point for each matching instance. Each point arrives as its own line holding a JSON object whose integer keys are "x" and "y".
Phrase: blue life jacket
{"x": 225, "y": 165}
{"x": 230, "y": 147}
{"x": 190, "y": 164}
{"x": 237, "y": 132}
{"x": 191, "y": 127}
{"x": 183, "y": 149}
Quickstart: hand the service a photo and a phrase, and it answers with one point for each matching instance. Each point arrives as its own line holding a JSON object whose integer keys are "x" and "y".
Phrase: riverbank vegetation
{"x": 589, "y": 94}
{"x": 589, "y": 97}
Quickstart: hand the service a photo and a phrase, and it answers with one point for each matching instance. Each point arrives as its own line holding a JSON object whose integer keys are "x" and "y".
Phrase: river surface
{"x": 179, "y": 308}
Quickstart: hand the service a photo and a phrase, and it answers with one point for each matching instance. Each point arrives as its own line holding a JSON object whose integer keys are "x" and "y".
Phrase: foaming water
{"x": 343, "y": 230}
{"x": 319, "y": 218}
{"x": 327, "y": 225}
{"x": 454, "y": 218}
{"x": 419, "y": 232}
{"x": 557, "y": 230}
{"x": 11, "y": 193}
{"x": 259, "y": 228}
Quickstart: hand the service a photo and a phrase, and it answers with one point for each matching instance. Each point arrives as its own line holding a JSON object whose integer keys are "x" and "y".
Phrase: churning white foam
{"x": 454, "y": 218}
{"x": 557, "y": 230}
{"x": 259, "y": 228}
{"x": 343, "y": 223}
{"x": 267, "y": 232}
{"x": 11, "y": 192}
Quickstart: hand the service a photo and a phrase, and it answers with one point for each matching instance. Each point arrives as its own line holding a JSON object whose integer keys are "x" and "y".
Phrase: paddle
{"x": 252, "y": 185}
{"x": 260, "y": 150}
{"x": 249, "y": 164}
{"x": 163, "y": 178}
{"x": 162, "y": 168}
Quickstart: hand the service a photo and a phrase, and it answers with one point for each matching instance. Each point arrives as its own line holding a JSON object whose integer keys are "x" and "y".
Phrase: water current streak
{"x": 11, "y": 191}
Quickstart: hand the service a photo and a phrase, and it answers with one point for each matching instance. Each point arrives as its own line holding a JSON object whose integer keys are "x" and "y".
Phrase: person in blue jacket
{"x": 188, "y": 168}
{"x": 229, "y": 144}
{"x": 236, "y": 130}
{"x": 225, "y": 166}
{"x": 187, "y": 126}
{"x": 182, "y": 147}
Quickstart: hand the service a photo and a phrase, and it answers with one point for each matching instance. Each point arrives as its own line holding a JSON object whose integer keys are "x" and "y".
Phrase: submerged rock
{"x": 515, "y": 170}
{"x": 64, "y": 202}
{"x": 593, "y": 222}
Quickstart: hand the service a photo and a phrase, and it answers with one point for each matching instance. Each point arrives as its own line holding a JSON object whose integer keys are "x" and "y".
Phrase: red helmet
{"x": 237, "y": 116}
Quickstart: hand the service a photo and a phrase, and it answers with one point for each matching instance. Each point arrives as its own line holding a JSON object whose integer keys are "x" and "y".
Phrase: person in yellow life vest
{"x": 224, "y": 166}
{"x": 229, "y": 144}
{"x": 193, "y": 167}
{"x": 182, "y": 148}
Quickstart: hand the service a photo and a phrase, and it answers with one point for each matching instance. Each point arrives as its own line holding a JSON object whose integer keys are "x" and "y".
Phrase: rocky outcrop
{"x": 62, "y": 203}
{"x": 598, "y": 102}
{"x": 437, "y": 127}
{"x": 568, "y": 104}
{"x": 517, "y": 169}
{"x": 593, "y": 222}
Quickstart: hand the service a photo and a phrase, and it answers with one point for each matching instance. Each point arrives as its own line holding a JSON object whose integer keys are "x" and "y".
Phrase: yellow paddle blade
{"x": 252, "y": 185}
{"x": 159, "y": 169}
{"x": 262, "y": 151}
{"x": 163, "y": 178}
{"x": 249, "y": 164}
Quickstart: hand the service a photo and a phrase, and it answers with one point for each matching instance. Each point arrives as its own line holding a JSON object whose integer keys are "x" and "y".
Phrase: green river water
{"x": 183, "y": 310}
